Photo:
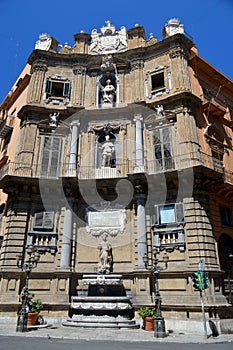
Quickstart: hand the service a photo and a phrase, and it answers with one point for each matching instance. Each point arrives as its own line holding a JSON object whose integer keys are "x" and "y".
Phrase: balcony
{"x": 184, "y": 161}
{"x": 213, "y": 106}
{"x": 43, "y": 241}
{"x": 169, "y": 239}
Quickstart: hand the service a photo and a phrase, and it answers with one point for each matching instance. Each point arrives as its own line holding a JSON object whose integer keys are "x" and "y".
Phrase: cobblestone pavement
{"x": 57, "y": 330}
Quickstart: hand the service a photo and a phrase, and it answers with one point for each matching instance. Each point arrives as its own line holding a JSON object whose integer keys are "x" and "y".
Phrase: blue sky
{"x": 208, "y": 22}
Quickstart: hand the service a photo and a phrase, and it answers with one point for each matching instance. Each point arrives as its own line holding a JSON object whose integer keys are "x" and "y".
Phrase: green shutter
{"x": 48, "y": 88}
{"x": 66, "y": 90}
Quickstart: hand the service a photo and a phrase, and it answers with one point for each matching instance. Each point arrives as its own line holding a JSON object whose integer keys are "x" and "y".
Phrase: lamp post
{"x": 159, "y": 322}
{"x": 26, "y": 266}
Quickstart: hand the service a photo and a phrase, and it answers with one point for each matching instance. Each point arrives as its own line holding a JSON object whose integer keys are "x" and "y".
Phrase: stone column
{"x": 66, "y": 238}
{"x": 141, "y": 229}
{"x": 73, "y": 147}
{"x": 38, "y": 70}
{"x": 139, "y": 145}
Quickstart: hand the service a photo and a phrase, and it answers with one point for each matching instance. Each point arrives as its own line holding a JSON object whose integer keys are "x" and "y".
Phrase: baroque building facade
{"x": 127, "y": 138}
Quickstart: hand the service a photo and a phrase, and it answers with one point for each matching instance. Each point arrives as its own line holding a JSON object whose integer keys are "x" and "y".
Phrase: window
{"x": 226, "y": 216}
{"x": 231, "y": 112}
{"x": 55, "y": 88}
{"x": 50, "y": 156}
{"x": 168, "y": 214}
{"x": 157, "y": 81}
{"x": 43, "y": 220}
{"x": 163, "y": 149}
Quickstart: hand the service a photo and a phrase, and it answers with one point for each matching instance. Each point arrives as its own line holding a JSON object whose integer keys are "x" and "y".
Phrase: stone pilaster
{"x": 38, "y": 70}
{"x": 79, "y": 85}
{"x": 180, "y": 71}
{"x": 137, "y": 79}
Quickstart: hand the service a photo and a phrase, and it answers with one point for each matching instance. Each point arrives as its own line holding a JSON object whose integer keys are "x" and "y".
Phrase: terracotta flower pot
{"x": 32, "y": 317}
{"x": 148, "y": 323}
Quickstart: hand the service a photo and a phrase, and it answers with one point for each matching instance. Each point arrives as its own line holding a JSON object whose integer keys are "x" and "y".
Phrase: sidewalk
{"x": 56, "y": 330}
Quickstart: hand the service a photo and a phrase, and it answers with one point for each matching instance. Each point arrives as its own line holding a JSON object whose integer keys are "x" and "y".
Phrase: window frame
{"x": 65, "y": 89}
{"x": 43, "y": 226}
{"x": 49, "y": 172}
{"x": 226, "y": 215}
{"x": 163, "y": 163}
{"x": 160, "y": 84}
{"x": 178, "y": 212}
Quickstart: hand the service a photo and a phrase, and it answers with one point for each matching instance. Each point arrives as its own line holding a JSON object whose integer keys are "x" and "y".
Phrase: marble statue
{"x": 107, "y": 151}
{"x": 105, "y": 256}
{"x": 53, "y": 119}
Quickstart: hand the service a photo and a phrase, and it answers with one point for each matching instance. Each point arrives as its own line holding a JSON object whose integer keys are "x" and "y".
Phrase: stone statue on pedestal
{"x": 107, "y": 152}
{"x": 105, "y": 256}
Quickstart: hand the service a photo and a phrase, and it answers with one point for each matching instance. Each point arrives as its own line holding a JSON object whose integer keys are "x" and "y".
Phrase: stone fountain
{"x": 103, "y": 302}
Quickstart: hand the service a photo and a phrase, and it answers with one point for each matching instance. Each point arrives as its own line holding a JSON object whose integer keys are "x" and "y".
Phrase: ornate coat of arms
{"x": 109, "y": 40}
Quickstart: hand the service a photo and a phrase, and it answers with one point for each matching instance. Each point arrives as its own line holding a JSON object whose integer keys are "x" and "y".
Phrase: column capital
{"x": 75, "y": 123}
{"x": 138, "y": 117}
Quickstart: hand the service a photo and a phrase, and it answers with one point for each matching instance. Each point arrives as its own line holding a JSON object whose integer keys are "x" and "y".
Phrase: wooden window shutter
{"x": 48, "y": 88}
{"x": 66, "y": 90}
{"x": 179, "y": 212}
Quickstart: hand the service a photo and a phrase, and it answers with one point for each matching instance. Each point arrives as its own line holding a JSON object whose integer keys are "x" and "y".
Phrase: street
{"x": 23, "y": 343}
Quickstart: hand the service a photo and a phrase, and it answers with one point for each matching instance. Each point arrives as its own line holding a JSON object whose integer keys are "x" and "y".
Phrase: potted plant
{"x": 148, "y": 315}
{"x": 34, "y": 308}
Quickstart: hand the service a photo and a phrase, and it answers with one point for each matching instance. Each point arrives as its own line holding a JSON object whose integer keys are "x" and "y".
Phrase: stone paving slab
{"x": 58, "y": 331}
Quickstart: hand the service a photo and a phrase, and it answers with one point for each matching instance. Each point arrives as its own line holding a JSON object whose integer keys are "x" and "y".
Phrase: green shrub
{"x": 147, "y": 312}
{"x": 35, "y": 305}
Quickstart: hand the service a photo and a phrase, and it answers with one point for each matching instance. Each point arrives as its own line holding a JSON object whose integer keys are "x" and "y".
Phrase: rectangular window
{"x": 226, "y": 216}
{"x": 50, "y": 156}
{"x": 157, "y": 81}
{"x": 43, "y": 220}
{"x": 168, "y": 214}
{"x": 163, "y": 149}
{"x": 56, "y": 88}
{"x": 231, "y": 112}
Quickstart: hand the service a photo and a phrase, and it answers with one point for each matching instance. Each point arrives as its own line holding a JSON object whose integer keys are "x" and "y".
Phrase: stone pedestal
{"x": 106, "y": 304}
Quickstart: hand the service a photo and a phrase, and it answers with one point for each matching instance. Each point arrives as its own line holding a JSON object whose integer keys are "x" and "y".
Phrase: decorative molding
{"x": 78, "y": 69}
{"x": 178, "y": 52}
{"x": 112, "y": 126}
{"x": 135, "y": 65}
{"x": 39, "y": 66}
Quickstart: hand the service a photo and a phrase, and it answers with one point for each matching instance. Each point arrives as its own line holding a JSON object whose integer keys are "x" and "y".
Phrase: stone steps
{"x": 101, "y": 322}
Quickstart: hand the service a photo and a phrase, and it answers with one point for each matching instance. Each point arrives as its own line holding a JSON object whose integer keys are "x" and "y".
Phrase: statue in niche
{"x": 105, "y": 256}
{"x": 108, "y": 92}
{"x": 108, "y": 150}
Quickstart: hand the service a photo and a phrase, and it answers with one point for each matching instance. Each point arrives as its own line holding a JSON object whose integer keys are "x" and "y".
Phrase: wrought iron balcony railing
{"x": 156, "y": 166}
